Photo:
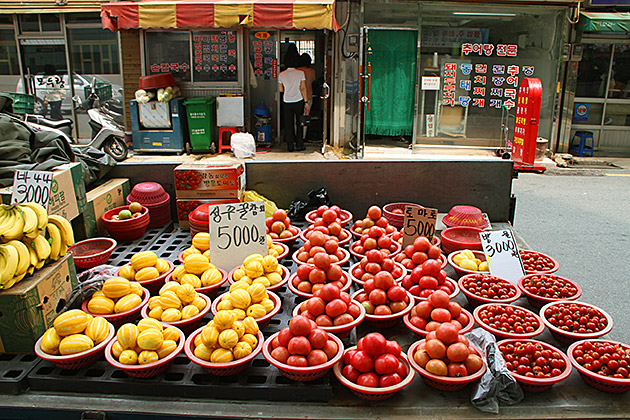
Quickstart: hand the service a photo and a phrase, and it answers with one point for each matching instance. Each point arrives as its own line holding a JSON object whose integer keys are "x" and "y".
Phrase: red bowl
{"x": 423, "y": 333}
{"x": 539, "y": 301}
{"x": 555, "y": 267}
{"x": 386, "y": 321}
{"x": 396, "y": 219}
{"x": 475, "y": 300}
{"x": 341, "y": 331}
{"x": 359, "y": 256}
{"x": 463, "y": 271}
{"x": 149, "y": 370}
{"x": 602, "y": 383}
{"x": 210, "y": 291}
{"x": 185, "y": 325}
{"x": 92, "y": 252}
{"x": 285, "y": 277}
{"x": 361, "y": 283}
{"x": 566, "y": 337}
{"x": 465, "y": 216}
{"x": 302, "y": 374}
{"x": 345, "y": 217}
{"x": 530, "y": 384}
{"x": 147, "y": 193}
{"x": 444, "y": 383}
{"x": 341, "y": 243}
{"x": 344, "y": 260}
{"x": 460, "y": 237}
{"x": 346, "y": 286}
{"x": 123, "y": 317}
{"x": 78, "y": 360}
{"x": 153, "y": 285}
{"x": 506, "y": 334}
{"x": 128, "y": 229}
{"x": 452, "y": 295}
{"x": 284, "y": 253}
{"x": 262, "y": 321}
{"x": 222, "y": 369}
{"x": 287, "y": 241}
{"x": 379, "y": 393}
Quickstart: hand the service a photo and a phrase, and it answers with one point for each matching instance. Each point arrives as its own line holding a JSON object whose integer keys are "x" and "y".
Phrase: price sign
{"x": 31, "y": 186}
{"x": 419, "y": 221}
{"x": 502, "y": 254}
{"x": 237, "y": 231}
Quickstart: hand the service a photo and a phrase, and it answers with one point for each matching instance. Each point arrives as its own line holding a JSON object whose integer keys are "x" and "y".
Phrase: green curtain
{"x": 392, "y": 95}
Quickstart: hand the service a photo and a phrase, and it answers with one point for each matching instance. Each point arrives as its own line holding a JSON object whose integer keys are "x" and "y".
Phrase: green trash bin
{"x": 200, "y": 115}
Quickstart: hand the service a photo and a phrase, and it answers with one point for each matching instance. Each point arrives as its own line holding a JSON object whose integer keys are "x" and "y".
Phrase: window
{"x": 93, "y": 51}
{"x": 593, "y": 71}
{"x": 306, "y": 46}
{"x": 8, "y": 53}
{"x": 39, "y": 23}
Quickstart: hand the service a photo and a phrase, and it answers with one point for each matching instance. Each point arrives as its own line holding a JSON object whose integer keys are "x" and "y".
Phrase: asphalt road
{"x": 583, "y": 222}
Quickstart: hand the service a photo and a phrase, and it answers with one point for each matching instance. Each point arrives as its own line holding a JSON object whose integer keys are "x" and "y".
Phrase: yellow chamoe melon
{"x": 257, "y": 292}
{"x": 190, "y": 251}
{"x": 127, "y": 335}
{"x": 117, "y": 349}
{"x": 71, "y": 322}
{"x": 136, "y": 288}
{"x": 162, "y": 265}
{"x": 224, "y": 319}
{"x": 168, "y": 286}
{"x": 200, "y": 303}
{"x": 225, "y": 305}
{"x": 240, "y": 298}
{"x": 241, "y": 350}
{"x": 256, "y": 311}
{"x": 128, "y": 357}
{"x": 240, "y": 314}
{"x": 209, "y": 336}
{"x": 146, "y": 323}
{"x": 239, "y": 328}
{"x": 268, "y": 305}
{"x": 170, "y": 300}
{"x": 203, "y": 352}
{"x": 127, "y": 272}
{"x": 127, "y": 303}
{"x": 196, "y": 264}
{"x": 167, "y": 347}
{"x": 206, "y": 254}
{"x": 147, "y": 356}
{"x": 150, "y": 339}
{"x": 221, "y": 355}
{"x": 143, "y": 259}
{"x": 190, "y": 279}
{"x": 171, "y": 315}
{"x": 251, "y": 326}
{"x": 189, "y": 311}
{"x": 75, "y": 343}
{"x": 156, "y": 313}
{"x": 243, "y": 283}
{"x": 228, "y": 338}
{"x": 171, "y": 333}
{"x": 201, "y": 241}
{"x": 186, "y": 293}
{"x": 116, "y": 287}
{"x": 50, "y": 342}
{"x": 147, "y": 273}
{"x": 274, "y": 278}
{"x": 253, "y": 269}
{"x": 238, "y": 274}
{"x": 101, "y": 305}
{"x": 97, "y": 329}
{"x": 270, "y": 264}
{"x": 210, "y": 277}
{"x": 154, "y": 302}
{"x": 178, "y": 272}
{"x": 251, "y": 339}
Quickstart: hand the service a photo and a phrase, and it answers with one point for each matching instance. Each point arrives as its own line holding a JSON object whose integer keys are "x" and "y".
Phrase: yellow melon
{"x": 154, "y": 302}
{"x": 143, "y": 259}
{"x": 127, "y": 272}
{"x": 221, "y": 356}
{"x": 189, "y": 311}
{"x": 127, "y": 303}
{"x": 75, "y": 343}
{"x": 203, "y": 352}
{"x": 145, "y": 357}
{"x": 150, "y": 339}
{"x": 268, "y": 305}
{"x": 171, "y": 315}
{"x": 200, "y": 303}
{"x": 128, "y": 357}
{"x": 136, "y": 288}
{"x": 168, "y": 286}
{"x": 117, "y": 349}
{"x": 171, "y": 333}
{"x": 240, "y": 298}
{"x": 228, "y": 338}
{"x": 256, "y": 311}
{"x": 116, "y": 287}
{"x": 210, "y": 277}
{"x": 270, "y": 264}
{"x": 196, "y": 264}
{"x": 97, "y": 329}
{"x": 71, "y": 322}
{"x": 239, "y": 328}
{"x": 224, "y": 319}
{"x": 170, "y": 300}
{"x": 178, "y": 272}
{"x": 251, "y": 326}
{"x": 156, "y": 313}
{"x": 190, "y": 251}
{"x": 186, "y": 293}
{"x": 201, "y": 241}
{"x": 127, "y": 335}
{"x": 250, "y": 339}
{"x": 162, "y": 265}
{"x": 50, "y": 342}
{"x": 147, "y": 273}
{"x": 167, "y": 347}
{"x": 240, "y": 314}
{"x": 146, "y": 323}
{"x": 238, "y": 274}
{"x": 241, "y": 350}
{"x": 190, "y": 279}
{"x": 101, "y": 305}
{"x": 257, "y": 292}
{"x": 209, "y": 336}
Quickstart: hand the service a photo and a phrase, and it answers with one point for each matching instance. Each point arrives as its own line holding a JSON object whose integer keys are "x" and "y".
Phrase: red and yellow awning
{"x": 192, "y": 14}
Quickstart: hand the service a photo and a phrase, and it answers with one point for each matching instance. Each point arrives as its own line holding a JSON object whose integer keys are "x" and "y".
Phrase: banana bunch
{"x": 30, "y": 238}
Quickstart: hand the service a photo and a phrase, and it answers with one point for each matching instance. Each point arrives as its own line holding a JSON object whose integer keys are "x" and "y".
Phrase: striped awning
{"x": 191, "y": 14}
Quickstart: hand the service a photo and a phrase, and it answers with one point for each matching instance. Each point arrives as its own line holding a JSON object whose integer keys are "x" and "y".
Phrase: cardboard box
{"x": 107, "y": 196}
{"x": 30, "y": 307}
{"x": 67, "y": 192}
{"x": 185, "y": 206}
{"x": 210, "y": 180}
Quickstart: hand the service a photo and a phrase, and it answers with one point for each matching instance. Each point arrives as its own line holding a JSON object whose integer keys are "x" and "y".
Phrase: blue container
{"x": 264, "y": 133}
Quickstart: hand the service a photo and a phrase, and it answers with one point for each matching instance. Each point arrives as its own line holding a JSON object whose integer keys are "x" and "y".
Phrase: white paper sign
{"x": 430, "y": 82}
{"x": 502, "y": 254}
{"x": 237, "y": 231}
{"x": 31, "y": 186}
{"x": 419, "y": 221}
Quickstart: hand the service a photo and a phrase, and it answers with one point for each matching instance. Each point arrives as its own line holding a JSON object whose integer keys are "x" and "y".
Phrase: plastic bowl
{"x": 262, "y": 321}
{"x": 128, "y": 229}
{"x": 386, "y": 321}
{"x": 284, "y": 253}
{"x": 423, "y": 333}
{"x": 123, "y": 317}
{"x": 444, "y": 383}
{"x": 285, "y": 277}
{"x": 341, "y": 331}
{"x": 147, "y": 193}
{"x": 344, "y": 218}
{"x": 532, "y": 384}
{"x": 396, "y": 219}
{"x": 506, "y": 334}
{"x": 360, "y": 256}
{"x": 361, "y": 283}
{"x": 150, "y": 369}
{"x": 463, "y": 271}
{"x": 555, "y": 267}
{"x": 302, "y": 374}
{"x": 210, "y": 291}
{"x": 599, "y": 382}
{"x": 476, "y": 300}
{"x": 344, "y": 260}
{"x": 92, "y": 252}
{"x": 465, "y": 216}
{"x": 346, "y": 286}
{"x": 436, "y": 239}
{"x": 222, "y": 369}
{"x": 341, "y": 242}
{"x": 539, "y": 301}
{"x": 375, "y": 394}
{"x": 460, "y": 237}
{"x": 185, "y": 325}
{"x": 287, "y": 241}
{"x": 153, "y": 285}
{"x": 78, "y": 360}
{"x": 566, "y": 337}
{"x": 452, "y": 295}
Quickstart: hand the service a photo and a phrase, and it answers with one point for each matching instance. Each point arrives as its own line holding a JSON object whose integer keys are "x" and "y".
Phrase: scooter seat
{"x": 57, "y": 124}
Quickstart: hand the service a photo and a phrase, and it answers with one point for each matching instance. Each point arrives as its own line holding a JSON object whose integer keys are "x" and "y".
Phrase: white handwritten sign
{"x": 502, "y": 254}
{"x": 31, "y": 186}
{"x": 237, "y": 231}
{"x": 419, "y": 221}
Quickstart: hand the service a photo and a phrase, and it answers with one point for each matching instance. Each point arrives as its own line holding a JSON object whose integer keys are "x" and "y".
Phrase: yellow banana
{"x": 14, "y": 280}
{"x": 33, "y": 234}
{"x": 42, "y": 214}
{"x": 54, "y": 239}
{"x": 15, "y": 231}
{"x": 30, "y": 219}
{"x": 63, "y": 249}
{"x": 31, "y": 270}
{"x": 11, "y": 261}
{"x": 32, "y": 253}
{"x": 64, "y": 226}
{"x": 24, "y": 258}
{"x": 42, "y": 247}
{"x": 7, "y": 220}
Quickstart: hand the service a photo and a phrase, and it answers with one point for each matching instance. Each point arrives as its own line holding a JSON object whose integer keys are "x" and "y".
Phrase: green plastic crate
{"x": 22, "y": 102}
{"x": 200, "y": 116}
{"x": 103, "y": 90}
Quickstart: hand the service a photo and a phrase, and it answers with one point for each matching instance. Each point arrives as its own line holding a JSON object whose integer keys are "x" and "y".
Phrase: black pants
{"x": 55, "y": 110}
{"x": 292, "y": 129}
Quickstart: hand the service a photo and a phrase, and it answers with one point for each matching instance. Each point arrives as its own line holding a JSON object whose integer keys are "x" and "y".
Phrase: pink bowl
{"x": 285, "y": 277}
{"x": 396, "y": 219}
{"x": 123, "y": 317}
{"x": 538, "y": 301}
{"x": 185, "y": 325}
{"x": 386, "y": 321}
{"x": 262, "y": 321}
{"x": 345, "y": 217}
{"x": 153, "y": 285}
{"x": 344, "y": 260}
{"x": 602, "y": 383}
{"x": 126, "y": 230}
{"x": 341, "y": 331}
{"x": 460, "y": 237}
{"x": 555, "y": 267}
{"x": 92, "y": 252}
{"x": 476, "y": 300}
{"x": 423, "y": 333}
{"x": 341, "y": 243}
{"x": 568, "y": 337}
{"x": 304, "y": 295}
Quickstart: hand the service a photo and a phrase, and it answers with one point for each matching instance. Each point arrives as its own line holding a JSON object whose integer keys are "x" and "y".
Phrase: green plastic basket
{"x": 22, "y": 102}
{"x": 103, "y": 90}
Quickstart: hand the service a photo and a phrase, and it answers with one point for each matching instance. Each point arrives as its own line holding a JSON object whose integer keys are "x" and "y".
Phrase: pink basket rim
{"x": 145, "y": 299}
{"x": 305, "y": 295}
{"x": 538, "y": 331}
{"x": 183, "y": 322}
{"x": 303, "y": 370}
{"x": 336, "y": 328}
{"x": 576, "y": 335}
{"x": 190, "y": 353}
{"x": 71, "y": 357}
{"x": 83, "y": 243}
{"x": 541, "y": 381}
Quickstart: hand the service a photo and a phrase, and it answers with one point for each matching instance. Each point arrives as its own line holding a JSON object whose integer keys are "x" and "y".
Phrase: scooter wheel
{"x": 116, "y": 148}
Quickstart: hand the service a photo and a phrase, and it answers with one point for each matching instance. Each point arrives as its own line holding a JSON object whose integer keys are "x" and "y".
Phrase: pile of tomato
{"x": 509, "y": 319}
{"x": 549, "y": 286}
{"x": 576, "y": 318}
{"x": 603, "y": 358}
{"x": 488, "y": 286}
{"x": 532, "y": 359}
{"x": 536, "y": 262}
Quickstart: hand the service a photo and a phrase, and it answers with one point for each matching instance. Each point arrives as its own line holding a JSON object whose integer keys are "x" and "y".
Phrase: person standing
{"x": 309, "y": 74}
{"x": 54, "y": 92}
{"x": 292, "y": 83}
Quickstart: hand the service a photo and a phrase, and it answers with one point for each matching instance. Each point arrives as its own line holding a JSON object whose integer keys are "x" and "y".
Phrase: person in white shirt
{"x": 292, "y": 83}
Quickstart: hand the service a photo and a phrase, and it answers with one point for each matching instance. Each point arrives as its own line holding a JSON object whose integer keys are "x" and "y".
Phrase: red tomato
{"x": 431, "y": 267}
{"x": 315, "y": 306}
{"x": 369, "y": 380}
{"x": 440, "y": 315}
{"x": 382, "y": 310}
{"x": 421, "y": 243}
{"x": 334, "y": 272}
{"x": 369, "y": 306}
{"x": 422, "y": 358}
{"x": 385, "y": 364}
{"x": 374, "y": 212}
{"x": 316, "y": 357}
{"x": 384, "y": 280}
{"x": 353, "y": 310}
{"x": 436, "y": 367}
{"x": 423, "y": 309}
{"x": 457, "y": 370}
{"x": 378, "y": 297}
{"x": 447, "y": 333}
{"x": 300, "y": 325}
{"x": 299, "y": 345}
{"x": 350, "y": 373}
{"x": 439, "y": 299}
{"x": 303, "y": 271}
{"x": 331, "y": 349}
{"x": 455, "y": 309}
{"x": 343, "y": 319}
{"x": 473, "y": 363}
{"x": 389, "y": 380}
{"x": 428, "y": 282}
{"x": 275, "y": 343}
{"x": 435, "y": 348}
{"x": 318, "y": 338}
{"x": 324, "y": 321}
{"x": 336, "y": 307}
{"x": 457, "y": 352}
{"x": 297, "y": 361}
{"x": 374, "y": 344}
{"x": 330, "y": 292}
{"x": 418, "y": 322}
{"x": 393, "y": 348}
{"x": 397, "y": 306}
{"x": 347, "y": 356}
{"x": 432, "y": 326}
{"x": 284, "y": 336}
{"x": 368, "y": 286}
{"x": 362, "y": 361}
{"x": 402, "y": 370}
{"x": 388, "y": 265}
{"x": 463, "y": 319}
{"x": 281, "y": 354}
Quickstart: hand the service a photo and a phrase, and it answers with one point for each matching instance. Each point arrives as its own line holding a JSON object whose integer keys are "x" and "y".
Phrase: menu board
{"x": 262, "y": 53}
{"x": 215, "y": 56}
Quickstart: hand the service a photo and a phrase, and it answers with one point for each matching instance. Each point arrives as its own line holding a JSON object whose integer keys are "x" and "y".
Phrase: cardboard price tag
{"x": 237, "y": 231}
{"x": 502, "y": 254}
{"x": 31, "y": 186}
{"x": 419, "y": 221}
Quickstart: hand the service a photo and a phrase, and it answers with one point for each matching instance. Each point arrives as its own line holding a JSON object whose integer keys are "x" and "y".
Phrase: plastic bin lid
{"x": 262, "y": 109}
{"x": 199, "y": 101}
{"x": 156, "y": 81}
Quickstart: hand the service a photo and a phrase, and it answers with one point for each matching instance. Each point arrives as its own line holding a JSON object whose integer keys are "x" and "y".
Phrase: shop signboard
{"x": 527, "y": 121}
{"x": 262, "y": 54}
{"x": 215, "y": 56}
{"x": 446, "y": 37}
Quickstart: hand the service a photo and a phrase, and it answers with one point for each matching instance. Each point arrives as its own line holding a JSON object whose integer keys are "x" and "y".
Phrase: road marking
{"x": 617, "y": 174}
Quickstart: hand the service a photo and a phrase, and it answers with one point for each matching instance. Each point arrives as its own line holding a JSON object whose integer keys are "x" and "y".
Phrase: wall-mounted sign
{"x": 581, "y": 112}
{"x": 430, "y": 83}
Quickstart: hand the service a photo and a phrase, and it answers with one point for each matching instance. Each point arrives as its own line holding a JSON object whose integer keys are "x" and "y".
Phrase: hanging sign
{"x": 237, "y": 231}
{"x": 527, "y": 121}
{"x": 502, "y": 254}
{"x": 419, "y": 221}
{"x": 31, "y": 186}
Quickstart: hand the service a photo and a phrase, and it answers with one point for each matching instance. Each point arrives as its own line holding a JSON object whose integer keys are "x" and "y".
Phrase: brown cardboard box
{"x": 210, "y": 180}
{"x": 105, "y": 197}
{"x": 30, "y": 307}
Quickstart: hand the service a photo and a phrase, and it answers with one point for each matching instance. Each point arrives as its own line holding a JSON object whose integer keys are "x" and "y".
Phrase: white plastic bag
{"x": 243, "y": 145}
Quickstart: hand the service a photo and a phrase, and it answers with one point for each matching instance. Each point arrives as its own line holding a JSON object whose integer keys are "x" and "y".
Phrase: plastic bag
{"x": 243, "y": 145}
{"x": 497, "y": 385}
{"x": 299, "y": 208}
{"x": 270, "y": 206}
{"x": 90, "y": 281}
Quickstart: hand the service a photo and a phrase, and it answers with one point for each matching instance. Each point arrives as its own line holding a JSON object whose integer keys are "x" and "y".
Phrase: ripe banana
{"x": 63, "y": 249}
{"x": 33, "y": 234}
{"x": 11, "y": 256}
{"x": 32, "y": 254}
{"x": 30, "y": 219}
{"x": 7, "y": 219}
{"x": 15, "y": 231}
{"x": 14, "y": 280}
{"x": 54, "y": 239}
{"x": 24, "y": 258}
{"x": 42, "y": 214}
{"x": 67, "y": 235}
{"x": 42, "y": 247}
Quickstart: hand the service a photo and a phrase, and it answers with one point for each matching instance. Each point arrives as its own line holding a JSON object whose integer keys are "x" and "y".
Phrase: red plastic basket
{"x": 284, "y": 253}
{"x": 463, "y": 271}
{"x": 465, "y": 216}
{"x": 262, "y": 321}
{"x": 126, "y": 230}
{"x": 304, "y": 295}
{"x": 532, "y": 384}
{"x": 359, "y": 256}
{"x": 361, "y": 283}
{"x": 452, "y": 295}
{"x": 287, "y": 241}
{"x": 210, "y": 291}
{"x": 154, "y": 285}
{"x": 505, "y": 334}
{"x": 395, "y": 219}
{"x": 123, "y": 317}
{"x": 344, "y": 260}
{"x": 285, "y": 277}
{"x": 341, "y": 331}
{"x": 423, "y": 333}
{"x": 539, "y": 301}
{"x": 444, "y": 383}
{"x": 302, "y": 374}
{"x": 222, "y": 369}
{"x": 460, "y": 237}
{"x": 147, "y": 193}
{"x": 566, "y": 337}
{"x": 341, "y": 242}
{"x": 375, "y": 394}
{"x": 79, "y": 360}
{"x": 185, "y": 325}
{"x": 345, "y": 217}
{"x": 386, "y": 321}
{"x": 476, "y": 300}
{"x": 92, "y": 252}
{"x": 602, "y": 383}
{"x": 556, "y": 264}
{"x": 149, "y": 370}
